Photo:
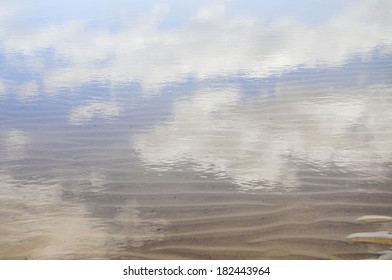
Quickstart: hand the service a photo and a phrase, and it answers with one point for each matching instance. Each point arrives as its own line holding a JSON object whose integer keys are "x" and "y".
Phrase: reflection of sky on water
{"x": 245, "y": 90}
{"x": 85, "y": 113}
{"x": 209, "y": 44}
{"x": 108, "y": 108}
{"x": 260, "y": 143}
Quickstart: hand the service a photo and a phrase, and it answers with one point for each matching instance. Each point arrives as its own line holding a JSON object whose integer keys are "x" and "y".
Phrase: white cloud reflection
{"x": 263, "y": 143}
{"x": 15, "y": 143}
{"x": 208, "y": 45}
{"x": 84, "y": 114}
{"x": 24, "y": 91}
{"x": 2, "y": 88}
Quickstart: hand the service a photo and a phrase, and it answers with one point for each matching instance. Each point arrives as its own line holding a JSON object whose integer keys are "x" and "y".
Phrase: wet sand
{"x": 191, "y": 220}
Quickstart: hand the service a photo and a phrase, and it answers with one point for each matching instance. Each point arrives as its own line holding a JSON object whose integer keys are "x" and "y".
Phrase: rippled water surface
{"x": 197, "y": 130}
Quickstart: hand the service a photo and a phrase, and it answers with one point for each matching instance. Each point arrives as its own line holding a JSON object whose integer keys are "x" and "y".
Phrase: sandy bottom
{"x": 199, "y": 219}
{"x": 100, "y": 191}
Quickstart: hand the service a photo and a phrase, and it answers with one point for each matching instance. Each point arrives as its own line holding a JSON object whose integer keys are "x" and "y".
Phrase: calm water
{"x": 239, "y": 129}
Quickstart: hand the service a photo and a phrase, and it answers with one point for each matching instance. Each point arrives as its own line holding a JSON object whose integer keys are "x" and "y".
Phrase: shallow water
{"x": 166, "y": 130}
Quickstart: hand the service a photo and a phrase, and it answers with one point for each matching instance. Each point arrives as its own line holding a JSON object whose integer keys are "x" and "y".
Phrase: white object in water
{"x": 374, "y": 219}
{"x": 379, "y": 237}
{"x": 385, "y": 255}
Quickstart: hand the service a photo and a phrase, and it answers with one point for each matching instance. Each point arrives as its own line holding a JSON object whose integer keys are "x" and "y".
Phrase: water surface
{"x": 216, "y": 130}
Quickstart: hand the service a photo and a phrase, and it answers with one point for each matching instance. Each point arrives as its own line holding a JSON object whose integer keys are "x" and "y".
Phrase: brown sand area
{"x": 194, "y": 220}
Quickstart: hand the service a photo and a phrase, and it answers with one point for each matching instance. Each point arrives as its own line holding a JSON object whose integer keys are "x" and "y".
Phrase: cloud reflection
{"x": 84, "y": 114}
{"x": 40, "y": 222}
{"x": 2, "y": 88}
{"x": 15, "y": 142}
{"x": 24, "y": 91}
{"x": 207, "y": 45}
{"x": 264, "y": 143}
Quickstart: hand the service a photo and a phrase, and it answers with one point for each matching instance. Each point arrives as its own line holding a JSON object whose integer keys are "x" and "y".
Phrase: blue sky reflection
{"x": 202, "y": 58}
